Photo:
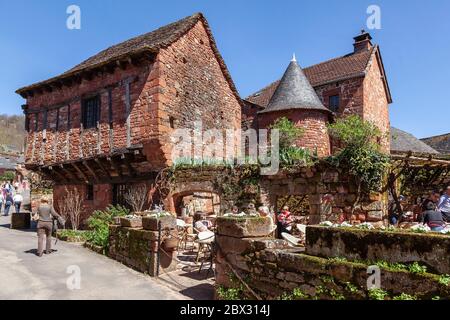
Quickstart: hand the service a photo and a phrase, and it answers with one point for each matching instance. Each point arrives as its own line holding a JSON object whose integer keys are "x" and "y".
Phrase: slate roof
{"x": 402, "y": 141}
{"x": 440, "y": 143}
{"x": 294, "y": 92}
{"x": 345, "y": 67}
{"x": 151, "y": 42}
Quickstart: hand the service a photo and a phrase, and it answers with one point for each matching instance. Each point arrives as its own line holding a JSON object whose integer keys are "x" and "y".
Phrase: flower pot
{"x": 151, "y": 223}
{"x": 131, "y": 223}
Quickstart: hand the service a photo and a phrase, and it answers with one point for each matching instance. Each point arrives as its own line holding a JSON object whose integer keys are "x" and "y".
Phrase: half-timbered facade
{"x": 106, "y": 123}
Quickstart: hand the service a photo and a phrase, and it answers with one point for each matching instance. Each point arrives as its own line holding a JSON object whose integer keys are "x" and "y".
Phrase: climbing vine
{"x": 361, "y": 155}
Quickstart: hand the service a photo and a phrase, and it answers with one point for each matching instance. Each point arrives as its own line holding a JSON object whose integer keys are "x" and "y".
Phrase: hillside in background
{"x": 12, "y": 133}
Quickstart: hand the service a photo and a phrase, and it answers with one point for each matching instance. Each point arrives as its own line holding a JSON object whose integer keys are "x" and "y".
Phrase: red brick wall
{"x": 351, "y": 95}
{"x": 314, "y": 123}
{"x": 376, "y": 107}
{"x": 74, "y": 143}
{"x": 102, "y": 198}
{"x": 194, "y": 88}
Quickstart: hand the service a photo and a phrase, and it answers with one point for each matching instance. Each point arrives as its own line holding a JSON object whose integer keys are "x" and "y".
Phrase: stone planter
{"x": 151, "y": 223}
{"x": 20, "y": 220}
{"x": 244, "y": 227}
{"x": 131, "y": 223}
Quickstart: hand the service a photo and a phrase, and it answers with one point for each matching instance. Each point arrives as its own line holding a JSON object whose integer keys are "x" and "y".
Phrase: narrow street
{"x": 23, "y": 275}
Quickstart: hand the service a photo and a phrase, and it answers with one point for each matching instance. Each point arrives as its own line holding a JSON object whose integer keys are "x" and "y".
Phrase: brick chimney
{"x": 362, "y": 42}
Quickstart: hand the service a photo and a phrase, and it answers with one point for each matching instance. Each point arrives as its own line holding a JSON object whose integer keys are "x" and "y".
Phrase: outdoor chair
{"x": 204, "y": 241}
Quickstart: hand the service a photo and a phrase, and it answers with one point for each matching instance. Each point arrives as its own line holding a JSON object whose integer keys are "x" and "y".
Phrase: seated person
{"x": 203, "y": 225}
{"x": 433, "y": 218}
{"x": 396, "y": 211}
{"x": 284, "y": 221}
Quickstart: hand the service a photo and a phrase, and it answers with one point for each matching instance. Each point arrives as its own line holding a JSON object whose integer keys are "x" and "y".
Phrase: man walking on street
{"x": 8, "y": 203}
{"x": 444, "y": 205}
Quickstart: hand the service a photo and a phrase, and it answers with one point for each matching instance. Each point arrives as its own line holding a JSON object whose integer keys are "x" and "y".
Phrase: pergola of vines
{"x": 417, "y": 174}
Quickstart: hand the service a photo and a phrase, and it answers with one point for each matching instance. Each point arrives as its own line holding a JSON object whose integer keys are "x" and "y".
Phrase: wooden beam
{"x": 61, "y": 176}
{"x": 102, "y": 167}
{"x": 68, "y": 173}
{"x": 116, "y": 167}
{"x": 128, "y": 161}
{"x": 92, "y": 172}
{"x": 77, "y": 168}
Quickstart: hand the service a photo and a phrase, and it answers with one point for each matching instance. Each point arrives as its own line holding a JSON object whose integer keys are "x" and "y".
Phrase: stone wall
{"x": 395, "y": 247}
{"x": 331, "y": 195}
{"x": 138, "y": 249}
{"x": 272, "y": 270}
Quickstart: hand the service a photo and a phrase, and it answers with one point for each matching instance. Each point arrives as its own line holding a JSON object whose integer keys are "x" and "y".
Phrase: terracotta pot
{"x": 169, "y": 244}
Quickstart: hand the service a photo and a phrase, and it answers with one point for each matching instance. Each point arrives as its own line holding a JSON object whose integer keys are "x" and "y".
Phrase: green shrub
{"x": 8, "y": 176}
{"x": 229, "y": 293}
{"x": 73, "y": 235}
{"x": 99, "y": 224}
{"x": 405, "y": 296}
{"x": 417, "y": 268}
{"x": 361, "y": 155}
{"x": 296, "y": 294}
{"x": 444, "y": 279}
{"x": 290, "y": 154}
{"x": 377, "y": 294}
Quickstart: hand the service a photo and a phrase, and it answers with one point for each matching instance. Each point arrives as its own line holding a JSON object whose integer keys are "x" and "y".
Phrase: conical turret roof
{"x": 294, "y": 92}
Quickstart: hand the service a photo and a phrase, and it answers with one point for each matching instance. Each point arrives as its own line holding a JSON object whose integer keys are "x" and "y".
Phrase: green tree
{"x": 290, "y": 154}
{"x": 361, "y": 154}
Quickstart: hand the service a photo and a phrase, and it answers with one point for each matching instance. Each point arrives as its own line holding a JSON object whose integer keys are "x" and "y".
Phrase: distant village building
{"x": 402, "y": 142}
{"x": 440, "y": 143}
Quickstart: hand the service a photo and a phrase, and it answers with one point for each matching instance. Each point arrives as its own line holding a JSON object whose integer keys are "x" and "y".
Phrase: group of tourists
{"x": 434, "y": 211}
{"x": 10, "y": 196}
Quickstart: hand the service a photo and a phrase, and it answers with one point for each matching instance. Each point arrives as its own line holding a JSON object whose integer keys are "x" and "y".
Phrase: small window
{"x": 90, "y": 192}
{"x": 333, "y": 103}
{"x": 172, "y": 122}
{"x": 91, "y": 112}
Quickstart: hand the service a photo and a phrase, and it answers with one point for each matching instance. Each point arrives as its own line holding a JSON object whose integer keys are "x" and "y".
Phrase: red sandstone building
{"x": 106, "y": 123}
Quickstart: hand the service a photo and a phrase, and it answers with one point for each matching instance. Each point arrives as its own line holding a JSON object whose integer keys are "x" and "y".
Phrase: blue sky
{"x": 256, "y": 39}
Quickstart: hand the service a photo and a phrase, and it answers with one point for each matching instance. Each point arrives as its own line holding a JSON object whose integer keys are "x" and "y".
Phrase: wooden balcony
{"x": 123, "y": 165}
